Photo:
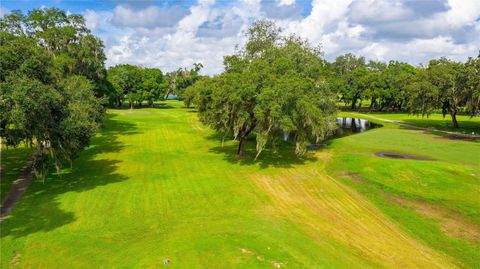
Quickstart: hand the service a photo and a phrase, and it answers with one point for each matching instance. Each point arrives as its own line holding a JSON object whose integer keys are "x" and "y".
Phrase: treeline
{"x": 444, "y": 85}
{"x": 281, "y": 84}
{"x": 136, "y": 85}
{"x": 52, "y": 78}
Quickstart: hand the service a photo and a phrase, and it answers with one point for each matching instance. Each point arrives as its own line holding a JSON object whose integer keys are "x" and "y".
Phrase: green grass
{"x": 450, "y": 182}
{"x": 157, "y": 184}
{"x": 435, "y": 121}
{"x": 12, "y": 162}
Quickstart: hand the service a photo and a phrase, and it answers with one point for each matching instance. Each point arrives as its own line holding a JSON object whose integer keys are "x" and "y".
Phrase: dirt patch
{"x": 260, "y": 257}
{"x": 401, "y": 156}
{"x": 16, "y": 259}
{"x": 452, "y": 223}
{"x": 244, "y": 250}
{"x": 463, "y": 137}
{"x": 354, "y": 177}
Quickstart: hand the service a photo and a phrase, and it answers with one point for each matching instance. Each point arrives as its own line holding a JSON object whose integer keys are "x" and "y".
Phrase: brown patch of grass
{"x": 16, "y": 259}
{"x": 463, "y": 137}
{"x": 354, "y": 176}
{"x": 451, "y": 223}
{"x": 327, "y": 210}
{"x": 401, "y": 156}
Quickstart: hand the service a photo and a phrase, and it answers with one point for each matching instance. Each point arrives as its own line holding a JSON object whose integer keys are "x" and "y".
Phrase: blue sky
{"x": 174, "y": 33}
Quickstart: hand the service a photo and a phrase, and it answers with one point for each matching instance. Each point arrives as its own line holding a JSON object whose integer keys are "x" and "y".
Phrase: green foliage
{"x": 181, "y": 79}
{"x": 76, "y": 51}
{"x": 422, "y": 93}
{"x": 135, "y": 85}
{"x": 274, "y": 84}
{"x": 453, "y": 87}
{"x": 350, "y": 70}
{"x": 51, "y": 76}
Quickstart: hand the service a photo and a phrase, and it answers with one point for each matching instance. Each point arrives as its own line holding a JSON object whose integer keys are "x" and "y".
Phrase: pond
{"x": 349, "y": 126}
{"x": 346, "y": 127}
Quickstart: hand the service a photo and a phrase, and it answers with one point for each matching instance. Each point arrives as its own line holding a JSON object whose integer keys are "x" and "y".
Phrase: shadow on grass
{"x": 466, "y": 127}
{"x": 39, "y": 210}
{"x": 157, "y": 105}
{"x": 283, "y": 155}
{"x": 458, "y": 135}
{"x": 12, "y": 163}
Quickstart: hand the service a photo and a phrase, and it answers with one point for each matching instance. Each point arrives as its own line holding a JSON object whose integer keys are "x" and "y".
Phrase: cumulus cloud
{"x": 149, "y": 17}
{"x": 169, "y": 37}
{"x": 3, "y": 11}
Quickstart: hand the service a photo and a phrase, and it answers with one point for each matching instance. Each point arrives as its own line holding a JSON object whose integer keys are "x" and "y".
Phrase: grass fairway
{"x": 157, "y": 184}
{"x": 12, "y": 162}
{"x": 435, "y": 121}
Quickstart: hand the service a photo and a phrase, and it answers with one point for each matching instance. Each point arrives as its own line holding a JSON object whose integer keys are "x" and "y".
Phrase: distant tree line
{"x": 135, "y": 85}
{"x": 445, "y": 85}
{"x": 52, "y": 79}
{"x": 276, "y": 83}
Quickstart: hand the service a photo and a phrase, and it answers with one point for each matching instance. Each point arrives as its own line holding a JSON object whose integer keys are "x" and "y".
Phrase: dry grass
{"x": 452, "y": 223}
{"x": 327, "y": 209}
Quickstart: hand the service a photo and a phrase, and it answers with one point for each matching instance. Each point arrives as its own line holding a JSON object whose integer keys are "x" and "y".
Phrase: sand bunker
{"x": 397, "y": 155}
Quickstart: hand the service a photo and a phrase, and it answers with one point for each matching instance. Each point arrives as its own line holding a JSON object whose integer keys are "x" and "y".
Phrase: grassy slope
{"x": 12, "y": 161}
{"x": 156, "y": 184}
{"x": 436, "y": 121}
{"x": 445, "y": 188}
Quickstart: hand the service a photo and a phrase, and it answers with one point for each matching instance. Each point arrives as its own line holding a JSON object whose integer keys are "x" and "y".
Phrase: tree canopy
{"x": 135, "y": 85}
{"x": 443, "y": 85}
{"x": 273, "y": 84}
{"x": 52, "y": 76}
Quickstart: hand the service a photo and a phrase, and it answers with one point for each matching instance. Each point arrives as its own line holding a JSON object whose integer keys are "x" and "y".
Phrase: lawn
{"x": 435, "y": 121}
{"x": 12, "y": 161}
{"x": 156, "y": 184}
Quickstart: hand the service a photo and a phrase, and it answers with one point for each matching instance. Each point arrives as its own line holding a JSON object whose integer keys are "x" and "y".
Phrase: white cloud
{"x": 377, "y": 11}
{"x": 148, "y": 17}
{"x": 3, "y": 11}
{"x": 286, "y": 2}
{"x": 205, "y": 32}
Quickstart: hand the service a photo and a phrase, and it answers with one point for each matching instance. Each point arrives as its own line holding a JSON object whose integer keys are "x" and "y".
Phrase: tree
{"x": 471, "y": 78}
{"x": 446, "y": 76}
{"x": 48, "y": 86}
{"x": 351, "y": 69}
{"x": 153, "y": 84}
{"x": 180, "y": 79}
{"x": 423, "y": 95}
{"x": 396, "y": 76}
{"x": 273, "y": 84}
{"x": 76, "y": 51}
{"x": 125, "y": 80}
{"x": 135, "y": 84}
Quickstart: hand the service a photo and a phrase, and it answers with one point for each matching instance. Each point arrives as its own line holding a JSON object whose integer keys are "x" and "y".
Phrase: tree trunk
{"x": 354, "y": 102}
{"x": 454, "y": 119}
{"x": 241, "y": 146}
{"x": 372, "y": 104}
{"x": 381, "y": 106}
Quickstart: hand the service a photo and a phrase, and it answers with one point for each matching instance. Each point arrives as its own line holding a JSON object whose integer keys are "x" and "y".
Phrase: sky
{"x": 169, "y": 34}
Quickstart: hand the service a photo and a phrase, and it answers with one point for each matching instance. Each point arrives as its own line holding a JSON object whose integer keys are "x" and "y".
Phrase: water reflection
{"x": 349, "y": 126}
{"x": 346, "y": 127}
